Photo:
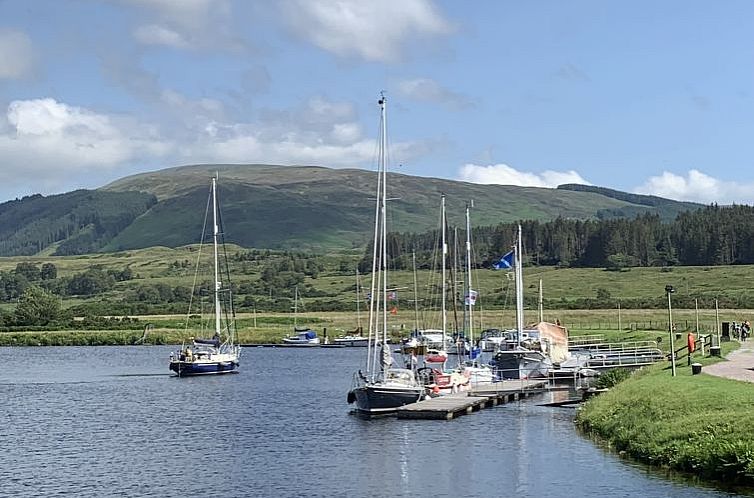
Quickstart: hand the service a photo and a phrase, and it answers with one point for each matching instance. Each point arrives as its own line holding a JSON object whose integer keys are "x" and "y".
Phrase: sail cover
{"x": 387, "y": 357}
{"x": 558, "y": 339}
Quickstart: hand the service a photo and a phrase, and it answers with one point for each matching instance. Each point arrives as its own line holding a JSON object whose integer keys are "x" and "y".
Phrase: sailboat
{"x": 437, "y": 342}
{"x": 381, "y": 388}
{"x": 473, "y": 367}
{"x": 218, "y": 354}
{"x": 525, "y": 352}
{"x": 301, "y": 335}
{"x": 354, "y": 338}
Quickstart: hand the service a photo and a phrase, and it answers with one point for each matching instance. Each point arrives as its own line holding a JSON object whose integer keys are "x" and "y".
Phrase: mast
{"x": 416, "y": 294}
{"x": 295, "y": 308}
{"x": 373, "y": 298}
{"x": 468, "y": 276}
{"x": 519, "y": 288}
{"x": 541, "y": 303}
{"x": 444, "y": 256}
{"x": 215, "y": 233}
{"x": 358, "y": 304}
{"x": 384, "y": 223}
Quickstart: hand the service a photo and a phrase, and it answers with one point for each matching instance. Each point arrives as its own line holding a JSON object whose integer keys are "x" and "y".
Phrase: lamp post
{"x": 669, "y": 290}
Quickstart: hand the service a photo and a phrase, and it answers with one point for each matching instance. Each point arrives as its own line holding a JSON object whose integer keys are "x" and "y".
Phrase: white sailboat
{"x": 437, "y": 353}
{"x": 303, "y": 336}
{"x": 218, "y": 354}
{"x": 473, "y": 368}
{"x": 354, "y": 338}
{"x": 525, "y": 353}
{"x": 381, "y": 388}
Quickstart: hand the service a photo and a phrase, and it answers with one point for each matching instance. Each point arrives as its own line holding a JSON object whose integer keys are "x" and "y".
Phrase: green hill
{"x": 283, "y": 207}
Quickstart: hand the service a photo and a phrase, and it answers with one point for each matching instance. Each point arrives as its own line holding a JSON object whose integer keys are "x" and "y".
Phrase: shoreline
{"x": 695, "y": 424}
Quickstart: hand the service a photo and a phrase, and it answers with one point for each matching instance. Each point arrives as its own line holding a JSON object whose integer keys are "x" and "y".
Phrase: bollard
{"x": 696, "y": 368}
{"x": 714, "y": 351}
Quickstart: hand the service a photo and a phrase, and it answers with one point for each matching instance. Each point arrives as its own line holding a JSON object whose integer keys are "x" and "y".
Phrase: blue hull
{"x": 185, "y": 368}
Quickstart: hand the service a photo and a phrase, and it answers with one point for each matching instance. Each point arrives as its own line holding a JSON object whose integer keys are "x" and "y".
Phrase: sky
{"x": 642, "y": 96}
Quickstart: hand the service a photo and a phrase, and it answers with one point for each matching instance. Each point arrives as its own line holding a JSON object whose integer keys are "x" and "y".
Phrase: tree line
{"x": 710, "y": 236}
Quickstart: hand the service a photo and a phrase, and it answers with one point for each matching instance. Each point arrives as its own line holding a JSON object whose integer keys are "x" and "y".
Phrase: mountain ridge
{"x": 301, "y": 207}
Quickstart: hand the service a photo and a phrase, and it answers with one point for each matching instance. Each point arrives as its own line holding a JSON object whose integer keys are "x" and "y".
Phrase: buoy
{"x": 436, "y": 389}
{"x": 691, "y": 342}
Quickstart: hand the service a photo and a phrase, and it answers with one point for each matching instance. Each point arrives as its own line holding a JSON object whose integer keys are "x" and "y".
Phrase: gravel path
{"x": 739, "y": 365}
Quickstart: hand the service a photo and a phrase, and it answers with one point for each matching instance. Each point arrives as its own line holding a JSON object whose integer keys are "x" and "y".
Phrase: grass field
{"x": 698, "y": 424}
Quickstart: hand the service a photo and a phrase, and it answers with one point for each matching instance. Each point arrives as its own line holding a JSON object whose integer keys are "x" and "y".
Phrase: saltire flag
{"x": 470, "y": 299}
{"x": 506, "y": 262}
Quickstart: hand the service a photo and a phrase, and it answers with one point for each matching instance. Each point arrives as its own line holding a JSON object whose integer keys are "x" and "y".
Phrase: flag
{"x": 506, "y": 262}
{"x": 392, "y": 296}
{"x": 470, "y": 299}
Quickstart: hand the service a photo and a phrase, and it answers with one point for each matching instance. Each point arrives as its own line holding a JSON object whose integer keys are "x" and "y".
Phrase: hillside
{"x": 282, "y": 207}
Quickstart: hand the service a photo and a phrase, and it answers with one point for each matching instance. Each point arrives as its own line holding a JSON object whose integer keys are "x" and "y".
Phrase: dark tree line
{"x": 83, "y": 221}
{"x": 709, "y": 236}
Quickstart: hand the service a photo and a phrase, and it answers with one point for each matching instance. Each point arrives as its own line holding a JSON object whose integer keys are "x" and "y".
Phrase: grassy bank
{"x": 698, "y": 424}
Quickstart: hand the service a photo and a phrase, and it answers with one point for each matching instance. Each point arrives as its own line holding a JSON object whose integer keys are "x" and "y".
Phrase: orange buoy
{"x": 691, "y": 342}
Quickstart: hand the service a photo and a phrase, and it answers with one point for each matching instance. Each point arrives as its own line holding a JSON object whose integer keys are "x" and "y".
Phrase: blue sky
{"x": 643, "y": 96}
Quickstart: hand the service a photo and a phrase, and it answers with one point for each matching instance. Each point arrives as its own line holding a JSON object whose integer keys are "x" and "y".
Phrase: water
{"x": 110, "y": 421}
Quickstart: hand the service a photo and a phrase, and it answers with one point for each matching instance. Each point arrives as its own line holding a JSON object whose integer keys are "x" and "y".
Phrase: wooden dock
{"x": 450, "y": 406}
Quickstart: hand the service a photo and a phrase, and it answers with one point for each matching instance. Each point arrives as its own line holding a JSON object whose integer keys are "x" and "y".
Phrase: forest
{"x": 709, "y": 236}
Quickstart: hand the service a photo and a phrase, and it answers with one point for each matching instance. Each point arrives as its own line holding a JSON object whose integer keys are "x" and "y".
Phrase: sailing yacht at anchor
{"x": 218, "y": 354}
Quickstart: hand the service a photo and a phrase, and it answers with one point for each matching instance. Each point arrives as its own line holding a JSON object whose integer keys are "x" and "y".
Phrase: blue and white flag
{"x": 506, "y": 262}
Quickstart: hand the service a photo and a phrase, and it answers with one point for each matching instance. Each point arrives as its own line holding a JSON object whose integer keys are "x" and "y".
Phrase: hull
{"x": 376, "y": 398}
{"x": 188, "y": 368}
{"x": 521, "y": 365}
{"x": 311, "y": 342}
{"x": 355, "y": 342}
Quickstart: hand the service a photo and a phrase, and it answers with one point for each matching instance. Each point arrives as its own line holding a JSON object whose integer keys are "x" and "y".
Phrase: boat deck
{"x": 450, "y": 406}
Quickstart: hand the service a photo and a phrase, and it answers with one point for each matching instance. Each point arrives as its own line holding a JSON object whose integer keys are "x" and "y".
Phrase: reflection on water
{"x": 104, "y": 421}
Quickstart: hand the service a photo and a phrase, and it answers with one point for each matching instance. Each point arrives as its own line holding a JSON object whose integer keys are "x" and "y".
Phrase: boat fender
{"x": 351, "y": 397}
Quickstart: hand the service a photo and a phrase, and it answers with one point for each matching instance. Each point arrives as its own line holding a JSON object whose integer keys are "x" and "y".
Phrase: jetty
{"x": 450, "y": 406}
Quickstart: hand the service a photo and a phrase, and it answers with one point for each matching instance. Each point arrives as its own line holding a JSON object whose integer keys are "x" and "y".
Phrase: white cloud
{"x": 374, "y": 31}
{"x": 427, "y": 90}
{"x": 186, "y": 24}
{"x": 50, "y": 145}
{"x": 502, "y": 174}
{"x": 154, "y": 34}
{"x": 697, "y": 187}
{"x": 16, "y": 54}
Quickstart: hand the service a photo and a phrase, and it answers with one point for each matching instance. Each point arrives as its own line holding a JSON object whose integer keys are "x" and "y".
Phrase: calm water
{"x": 109, "y": 421}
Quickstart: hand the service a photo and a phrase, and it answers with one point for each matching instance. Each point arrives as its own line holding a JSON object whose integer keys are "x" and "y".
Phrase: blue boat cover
{"x": 311, "y": 334}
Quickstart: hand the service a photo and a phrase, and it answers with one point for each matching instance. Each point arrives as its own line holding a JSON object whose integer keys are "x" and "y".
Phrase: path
{"x": 739, "y": 366}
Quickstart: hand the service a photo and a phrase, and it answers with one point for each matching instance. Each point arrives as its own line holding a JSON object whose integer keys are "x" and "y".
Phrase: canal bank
{"x": 700, "y": 424}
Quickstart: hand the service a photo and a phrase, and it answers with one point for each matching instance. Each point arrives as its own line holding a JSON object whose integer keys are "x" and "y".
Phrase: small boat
{"x": 352, "y": 341}
{"x": 305, "y": 337}
{"x": 435, "y": 356}
{"x": 381, "y": 388}
{"x": 218, "y": 354}
{"x": 302, "y": 335}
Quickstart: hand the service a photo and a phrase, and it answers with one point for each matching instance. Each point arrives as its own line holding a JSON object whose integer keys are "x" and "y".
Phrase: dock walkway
{"x": 450, "y": 406}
